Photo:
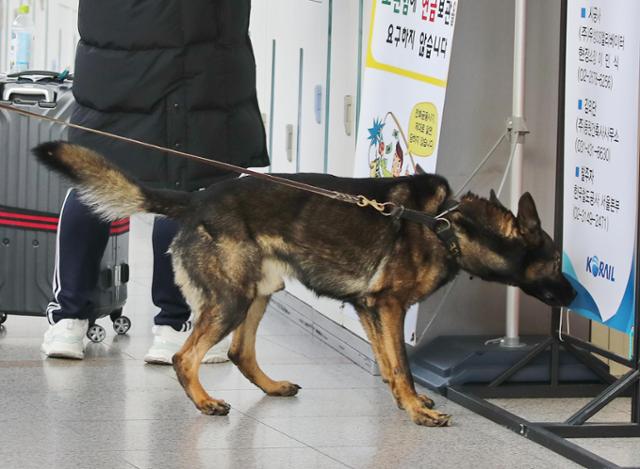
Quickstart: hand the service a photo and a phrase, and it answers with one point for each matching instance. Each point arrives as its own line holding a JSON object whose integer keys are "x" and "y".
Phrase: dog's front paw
{"x": 430, "y": 418}
{"x": 213, "y": 407}
{"x": 284, "y": 389}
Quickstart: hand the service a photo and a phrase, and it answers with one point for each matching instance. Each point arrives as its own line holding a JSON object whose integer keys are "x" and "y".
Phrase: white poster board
{"x": 601, "y": 158}
{"x": 404, "y": 87}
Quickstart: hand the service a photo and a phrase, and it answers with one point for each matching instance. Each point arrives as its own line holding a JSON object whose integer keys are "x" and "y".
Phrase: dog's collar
{"x": 440, "y": 225}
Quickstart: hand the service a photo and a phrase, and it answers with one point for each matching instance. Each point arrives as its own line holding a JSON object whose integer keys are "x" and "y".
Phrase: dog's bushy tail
{"x": 107, "y": 190}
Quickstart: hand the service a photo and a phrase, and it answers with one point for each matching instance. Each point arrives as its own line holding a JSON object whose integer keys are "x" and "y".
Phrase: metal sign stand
{"x": 518, "y": 131}
{"x": 555, "y": 435}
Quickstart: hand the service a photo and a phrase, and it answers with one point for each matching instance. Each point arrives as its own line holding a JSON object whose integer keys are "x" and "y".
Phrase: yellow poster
{"x": 404, "y": 86}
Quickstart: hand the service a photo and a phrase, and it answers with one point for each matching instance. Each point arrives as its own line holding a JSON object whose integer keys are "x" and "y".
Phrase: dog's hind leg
{"x": 216, "y": 275}
{"x": 371, "y": 325}
{"x": 213, "y": 324}
{"x": 391, "y": 343}
{"x": 243, "y": 352}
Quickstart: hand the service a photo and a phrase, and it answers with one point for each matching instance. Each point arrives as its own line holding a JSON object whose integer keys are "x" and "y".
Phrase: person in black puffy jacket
{"x": 175, "y": 73}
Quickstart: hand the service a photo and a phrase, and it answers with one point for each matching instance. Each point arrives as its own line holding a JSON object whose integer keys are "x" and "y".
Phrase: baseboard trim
{"x": 334, "y": 335}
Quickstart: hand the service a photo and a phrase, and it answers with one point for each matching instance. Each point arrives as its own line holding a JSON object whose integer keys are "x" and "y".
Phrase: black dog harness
{"x": 440, "y": 225}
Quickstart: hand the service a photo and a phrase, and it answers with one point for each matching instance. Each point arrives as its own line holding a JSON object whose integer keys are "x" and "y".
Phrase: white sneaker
{"x": 64, "y": 339}
{"x": 219, "y": 353}
{"x": 167, "y": 341}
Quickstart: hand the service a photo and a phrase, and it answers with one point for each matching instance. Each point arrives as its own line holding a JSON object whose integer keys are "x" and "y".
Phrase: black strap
{"x": 438, "y": 224}
{"x": 449, "y": 238}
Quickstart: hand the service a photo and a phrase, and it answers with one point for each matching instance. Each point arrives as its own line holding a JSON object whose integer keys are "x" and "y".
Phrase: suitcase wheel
{"x": 96, "y": 333}
{"x": 3, "y": 317}
{"x": 122, "y": 325}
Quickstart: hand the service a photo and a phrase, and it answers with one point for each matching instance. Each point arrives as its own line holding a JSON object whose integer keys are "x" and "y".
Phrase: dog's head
{"x": 499, "y": 246}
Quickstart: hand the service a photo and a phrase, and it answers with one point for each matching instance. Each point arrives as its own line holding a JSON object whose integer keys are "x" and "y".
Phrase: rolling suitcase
{"x": 30, "y": 201}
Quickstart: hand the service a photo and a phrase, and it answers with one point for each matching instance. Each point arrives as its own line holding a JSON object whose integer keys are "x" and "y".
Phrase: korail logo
{"x": 600, "y": 269}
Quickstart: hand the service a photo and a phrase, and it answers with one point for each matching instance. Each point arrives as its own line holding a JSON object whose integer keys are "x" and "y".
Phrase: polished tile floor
{"x": 113, "y": 411}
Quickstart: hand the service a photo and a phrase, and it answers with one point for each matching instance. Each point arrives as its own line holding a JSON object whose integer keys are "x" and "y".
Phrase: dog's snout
{"x": 567, "y": 293}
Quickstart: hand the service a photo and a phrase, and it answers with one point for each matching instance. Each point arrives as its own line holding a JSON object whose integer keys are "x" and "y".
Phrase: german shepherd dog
{"x": 241, "y": 237}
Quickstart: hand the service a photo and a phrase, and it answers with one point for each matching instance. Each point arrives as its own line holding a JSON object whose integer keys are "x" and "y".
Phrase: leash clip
{"x": 387, "y": 209}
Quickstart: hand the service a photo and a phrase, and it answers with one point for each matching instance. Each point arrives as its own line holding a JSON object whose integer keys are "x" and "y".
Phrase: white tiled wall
{"x": 307, "y": 60}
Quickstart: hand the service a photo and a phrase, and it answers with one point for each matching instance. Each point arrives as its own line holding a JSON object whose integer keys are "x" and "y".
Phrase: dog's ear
{"x": 528, "y": 220}
{"x": 419, "y": 170}
{"x": 493, "y": 198}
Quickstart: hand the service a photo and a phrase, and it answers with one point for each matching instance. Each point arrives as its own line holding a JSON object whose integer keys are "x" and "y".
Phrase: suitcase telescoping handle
{"x": 40, "y": 74}
{"x": 34, "y": 87}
